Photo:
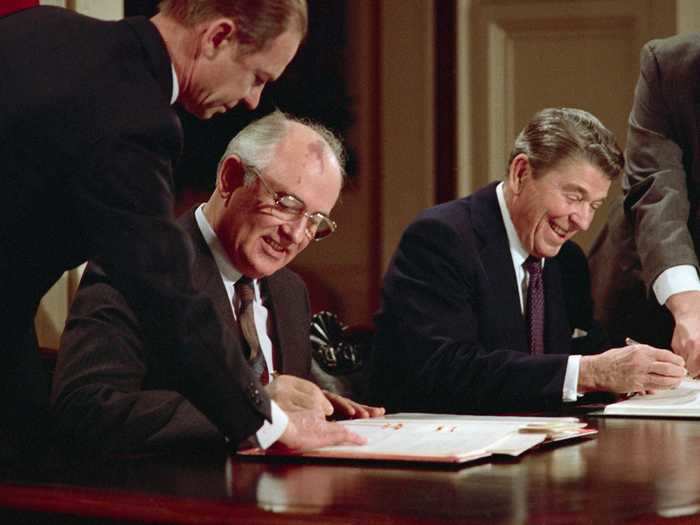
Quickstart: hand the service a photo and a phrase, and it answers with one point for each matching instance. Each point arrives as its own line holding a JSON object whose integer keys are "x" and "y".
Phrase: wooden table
{"x": 634, "y": 471}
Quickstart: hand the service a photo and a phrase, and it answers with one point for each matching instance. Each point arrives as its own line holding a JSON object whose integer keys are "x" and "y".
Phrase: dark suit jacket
{"x": 450, "y": 333}
{"x": 656, "y": 224}
{"x": 110, "y": 394}
{"x": 88, "y": 142}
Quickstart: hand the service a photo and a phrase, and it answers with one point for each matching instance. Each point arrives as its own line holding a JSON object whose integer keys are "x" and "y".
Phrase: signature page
{"x": 683, "y": 401}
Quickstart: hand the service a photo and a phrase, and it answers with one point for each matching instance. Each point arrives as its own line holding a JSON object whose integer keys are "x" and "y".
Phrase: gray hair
{"x": 255, "y": 144}
{"x": 557, "y": 135}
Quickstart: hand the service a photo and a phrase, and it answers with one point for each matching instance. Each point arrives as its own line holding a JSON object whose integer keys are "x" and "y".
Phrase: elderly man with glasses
{"x": 276, "y": 185}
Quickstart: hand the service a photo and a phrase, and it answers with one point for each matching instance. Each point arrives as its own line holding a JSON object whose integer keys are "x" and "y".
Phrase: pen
{"x": 630, "y": 341}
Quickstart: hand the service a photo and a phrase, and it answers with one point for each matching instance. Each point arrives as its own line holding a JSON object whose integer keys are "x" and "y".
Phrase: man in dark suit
{"x": 644, "y": 264}
{"x": 486, "y": 305}
{"x": 276, "y": 185}
{"x": 88, "y": 141}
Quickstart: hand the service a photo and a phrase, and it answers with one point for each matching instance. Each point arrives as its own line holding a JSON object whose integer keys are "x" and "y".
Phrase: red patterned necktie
{"x": 534, "y": 309}
{"x": 246, "y": 320}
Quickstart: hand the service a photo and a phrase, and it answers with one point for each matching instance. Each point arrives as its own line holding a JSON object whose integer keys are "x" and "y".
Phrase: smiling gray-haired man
{"x": 486, "y": 304}
{"x": 277, "y": 183}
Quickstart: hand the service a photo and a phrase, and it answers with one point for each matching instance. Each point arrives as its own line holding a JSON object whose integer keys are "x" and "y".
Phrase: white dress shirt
{"x": 176, "y": 86}
{"x": 518, "y": 254}
{"x": 677, "y": 279}
{"x": 269, "y": 432}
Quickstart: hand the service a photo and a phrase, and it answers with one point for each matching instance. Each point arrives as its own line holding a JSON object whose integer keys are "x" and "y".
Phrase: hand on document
{"x": 630, "y": 369}
{"x": 308, "y": 429}
{"x": 685, "y": 307}
{"x": 292, "y": 393}
{"x": 347, "y": 408}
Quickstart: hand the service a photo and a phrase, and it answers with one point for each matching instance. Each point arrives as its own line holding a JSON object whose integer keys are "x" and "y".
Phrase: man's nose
{"x": 583, "y": 217}
{"x": 252, "y": 99}
{"x": 296, "y": 229}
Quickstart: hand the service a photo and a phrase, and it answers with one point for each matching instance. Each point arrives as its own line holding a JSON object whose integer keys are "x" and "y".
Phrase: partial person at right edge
{"x": 644, "y": 264}
{"x": 486, "y": 304}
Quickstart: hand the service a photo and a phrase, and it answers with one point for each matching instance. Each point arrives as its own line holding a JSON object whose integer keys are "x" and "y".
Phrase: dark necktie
{"x": 246, "y": 294}
{"x": 534, "y": 309}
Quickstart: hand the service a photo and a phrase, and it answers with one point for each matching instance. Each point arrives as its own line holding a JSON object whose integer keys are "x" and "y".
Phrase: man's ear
{"x": 518, "y": 172}
{"x": 218, "y": 34}
{"x": 231, "y": 176}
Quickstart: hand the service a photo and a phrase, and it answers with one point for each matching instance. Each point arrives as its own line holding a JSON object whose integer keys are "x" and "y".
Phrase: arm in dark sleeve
{"x": 100, "y": 401}
{"x": 655, "y": 181}
{"x": 429, "y": 333}
{"x": 125, "y": 209}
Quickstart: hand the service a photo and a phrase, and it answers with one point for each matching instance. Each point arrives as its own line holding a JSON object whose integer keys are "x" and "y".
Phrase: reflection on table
{"x": 636, "y": 470}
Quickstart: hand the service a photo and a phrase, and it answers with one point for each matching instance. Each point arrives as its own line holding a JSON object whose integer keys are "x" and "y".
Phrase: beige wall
{"x": 407, "y": 118}
{"x": 104, "y": 9}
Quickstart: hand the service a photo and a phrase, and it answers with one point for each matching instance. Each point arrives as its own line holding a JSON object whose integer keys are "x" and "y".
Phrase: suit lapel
{"x": 207, "y": 279}
{"x": 498, "y": 267}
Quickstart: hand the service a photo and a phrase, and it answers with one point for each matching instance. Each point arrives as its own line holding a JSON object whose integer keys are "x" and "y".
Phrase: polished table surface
{"x": 633, "y": 471}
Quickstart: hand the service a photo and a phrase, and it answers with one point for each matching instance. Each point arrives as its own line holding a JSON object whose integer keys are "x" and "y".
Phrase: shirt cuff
{"x": 570, "y": 391}
{"x": 677, "y": 279}
{"x": 271, "y": 432}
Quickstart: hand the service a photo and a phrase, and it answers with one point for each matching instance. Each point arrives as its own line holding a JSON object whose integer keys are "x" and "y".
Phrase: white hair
{"x": 255, "y": 144}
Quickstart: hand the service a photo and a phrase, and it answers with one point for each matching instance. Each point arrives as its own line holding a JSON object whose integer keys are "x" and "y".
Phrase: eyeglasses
{"x": 290, "y": 208}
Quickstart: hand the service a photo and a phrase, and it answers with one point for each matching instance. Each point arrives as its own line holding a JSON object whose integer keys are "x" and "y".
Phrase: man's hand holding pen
{"x": 631, "y": 369}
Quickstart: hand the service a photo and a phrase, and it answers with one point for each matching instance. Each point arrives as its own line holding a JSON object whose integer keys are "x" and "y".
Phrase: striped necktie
{"x": 246, "y": 320}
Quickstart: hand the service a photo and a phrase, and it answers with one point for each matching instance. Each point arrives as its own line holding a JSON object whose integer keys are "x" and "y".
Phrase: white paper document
{"x": 683, "y": 401}
{"x": 431, "y": 439}
{"x": 446, "y": 438}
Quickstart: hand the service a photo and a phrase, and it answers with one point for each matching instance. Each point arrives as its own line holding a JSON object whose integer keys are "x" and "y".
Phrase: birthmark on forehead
{"x": 315, "y": 157}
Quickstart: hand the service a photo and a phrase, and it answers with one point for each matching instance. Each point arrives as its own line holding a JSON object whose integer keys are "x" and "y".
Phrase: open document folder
{"x": 445, "y": 438}
{"x": 683, "y": 401}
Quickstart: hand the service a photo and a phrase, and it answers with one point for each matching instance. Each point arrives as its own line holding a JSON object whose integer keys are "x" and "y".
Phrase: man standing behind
{"x": 277, "y": 183}
{"x": 644, "y": 264}
{"x": 486, "y": 303}
{"x": 88, "y": 140}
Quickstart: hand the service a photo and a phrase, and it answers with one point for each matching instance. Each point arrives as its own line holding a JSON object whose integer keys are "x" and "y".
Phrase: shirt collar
{"x": 517, "y": 251}
{"x": 176, "y": 86}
